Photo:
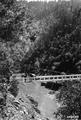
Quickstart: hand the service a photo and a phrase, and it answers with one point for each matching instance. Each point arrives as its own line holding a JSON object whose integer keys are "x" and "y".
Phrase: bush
{"x": 70, "y": 96}
{"x": 14, "y": 88}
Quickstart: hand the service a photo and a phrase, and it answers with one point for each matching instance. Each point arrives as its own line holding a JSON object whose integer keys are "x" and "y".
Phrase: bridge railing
{"x": 57, "y": 77}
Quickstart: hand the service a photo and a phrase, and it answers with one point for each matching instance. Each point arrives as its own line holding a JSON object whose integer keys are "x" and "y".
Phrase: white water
{"x": 46, "y": 103}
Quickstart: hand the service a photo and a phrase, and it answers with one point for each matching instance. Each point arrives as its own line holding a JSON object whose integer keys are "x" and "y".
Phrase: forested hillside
{"x": 40, "y": 38}
{"x": 58, "y": 48}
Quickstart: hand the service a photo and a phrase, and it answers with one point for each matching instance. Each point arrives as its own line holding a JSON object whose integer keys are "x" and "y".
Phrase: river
{"x": 46, "y": 103}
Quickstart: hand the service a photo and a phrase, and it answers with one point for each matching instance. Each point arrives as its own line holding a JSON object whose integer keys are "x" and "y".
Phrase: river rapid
{"x": 47, "y": 103}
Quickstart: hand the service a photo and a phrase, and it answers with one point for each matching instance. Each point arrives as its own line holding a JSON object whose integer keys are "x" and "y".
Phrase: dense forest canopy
{"x": 40, "y": 38}
{"x": 58, "y": 49}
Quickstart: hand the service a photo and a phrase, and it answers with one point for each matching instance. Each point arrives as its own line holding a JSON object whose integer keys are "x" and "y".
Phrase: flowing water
{"x": 46, "y": 103}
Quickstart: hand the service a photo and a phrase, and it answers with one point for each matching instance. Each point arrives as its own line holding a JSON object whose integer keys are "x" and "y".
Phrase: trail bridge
{"x": 52, "y": 78}
{"x": 57, "y": 78}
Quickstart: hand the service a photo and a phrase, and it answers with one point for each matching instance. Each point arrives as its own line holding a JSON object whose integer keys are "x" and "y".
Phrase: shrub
{"x": 70, "y": 96}
{"x": 14, "y": 88}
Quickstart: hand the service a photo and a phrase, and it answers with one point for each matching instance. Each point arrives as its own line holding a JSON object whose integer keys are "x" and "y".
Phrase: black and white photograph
{"x": 40, "y": 59}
